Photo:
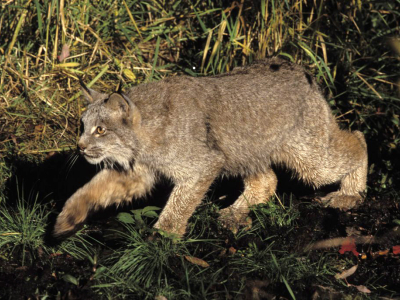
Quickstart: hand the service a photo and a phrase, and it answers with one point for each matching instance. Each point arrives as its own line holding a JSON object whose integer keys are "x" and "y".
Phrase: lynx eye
{"x": 100, "y": 130}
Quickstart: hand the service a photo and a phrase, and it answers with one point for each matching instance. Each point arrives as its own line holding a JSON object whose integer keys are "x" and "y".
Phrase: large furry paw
{"x": 73, "y": 214}
{"x": 343, "y": 202}
{"x": 233, "y": 219}
{"x": 170, "y": 228}
{"x": 65, "y": 225}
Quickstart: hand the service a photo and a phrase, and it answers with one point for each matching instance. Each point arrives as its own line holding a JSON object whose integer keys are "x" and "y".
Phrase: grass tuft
{"x": 23, "y": 228}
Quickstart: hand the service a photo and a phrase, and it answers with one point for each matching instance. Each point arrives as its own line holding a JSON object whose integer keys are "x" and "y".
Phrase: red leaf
{"x": 349, "y": 245}
{"x": 396, "y": 249}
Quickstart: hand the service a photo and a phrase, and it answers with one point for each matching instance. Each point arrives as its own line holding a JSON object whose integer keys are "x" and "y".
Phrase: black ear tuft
{"x": 119, "y": 88}
{"x": 83, "y": 85}
{"x": 90, "y": 94}
{"x": 85, "y": 91}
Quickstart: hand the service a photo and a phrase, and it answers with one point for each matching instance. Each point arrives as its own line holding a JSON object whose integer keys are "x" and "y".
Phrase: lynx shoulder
{"x": 193, "y": 130}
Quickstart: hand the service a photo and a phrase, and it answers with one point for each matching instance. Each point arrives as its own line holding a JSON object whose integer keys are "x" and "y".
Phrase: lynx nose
{"x": 82, "y": 147}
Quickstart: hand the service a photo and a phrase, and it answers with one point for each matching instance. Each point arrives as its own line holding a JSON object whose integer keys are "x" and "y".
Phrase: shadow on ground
{"x": 62, "y": 174}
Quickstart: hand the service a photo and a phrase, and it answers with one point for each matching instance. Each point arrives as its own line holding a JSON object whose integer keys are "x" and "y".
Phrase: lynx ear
{"x": 90, "y": 94}
{"x": 125, "y": 108}
{"x": 118, "y": 103}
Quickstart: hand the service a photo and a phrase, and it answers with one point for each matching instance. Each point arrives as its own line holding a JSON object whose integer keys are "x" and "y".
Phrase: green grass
{"x": 275, "y": 213}
{"x": 144, "y": 266}
{"x": 351, "y": 47}
{"x": 23, "y": 228}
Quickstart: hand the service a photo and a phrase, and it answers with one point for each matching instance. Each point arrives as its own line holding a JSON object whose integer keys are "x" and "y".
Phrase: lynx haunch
{"x": 193, "y": 130}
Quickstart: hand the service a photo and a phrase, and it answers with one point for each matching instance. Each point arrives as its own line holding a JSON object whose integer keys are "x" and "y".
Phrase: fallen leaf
{"x": 52, "y": 255}
{"x": 384, "y": 252}
{"x": 232, "y": 250}
{"x": 396, "y": 249}
{"x": 197, "y": 261}
{"x": 39, "y": 128}
{"x": 64, "y": 53}
{"x": 346, "y": 273}
{"x": 325, "y": 292}
{"x": 128, "y": 73}
{"x": 349, "y": 245}
{"x": 222, "y": 253}
{"x": 362, "y": 289}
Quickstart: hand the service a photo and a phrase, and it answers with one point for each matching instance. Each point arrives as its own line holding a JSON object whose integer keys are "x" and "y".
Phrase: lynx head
{"x": 109, "y": 126}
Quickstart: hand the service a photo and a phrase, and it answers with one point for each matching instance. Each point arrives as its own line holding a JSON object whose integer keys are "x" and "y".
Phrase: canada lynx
{"x": 192, "y": 130}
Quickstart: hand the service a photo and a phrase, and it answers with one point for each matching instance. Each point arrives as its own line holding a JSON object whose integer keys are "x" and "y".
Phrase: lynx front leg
{"x": 184, "y": 199}
{"x": 258, "y": 189}
{"x": 106, "y": 188}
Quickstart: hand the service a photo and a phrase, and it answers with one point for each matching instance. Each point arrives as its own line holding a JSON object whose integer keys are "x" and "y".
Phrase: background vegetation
{"x": 351, "y": 46}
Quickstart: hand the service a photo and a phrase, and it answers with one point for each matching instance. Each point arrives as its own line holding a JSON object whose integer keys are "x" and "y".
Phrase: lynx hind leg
{"x": 106, "y": 188}
{"x": 257, "y": 189}
{"x": 353, "y": 184}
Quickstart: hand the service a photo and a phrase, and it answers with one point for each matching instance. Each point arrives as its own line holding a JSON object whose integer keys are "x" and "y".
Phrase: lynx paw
{"x": 73, "y": 214}
{"x": 233, "y": 219}
{"x": 343, "y": 202}
{"x": 172, "y": 229}
{"x": 65, "y": 225}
